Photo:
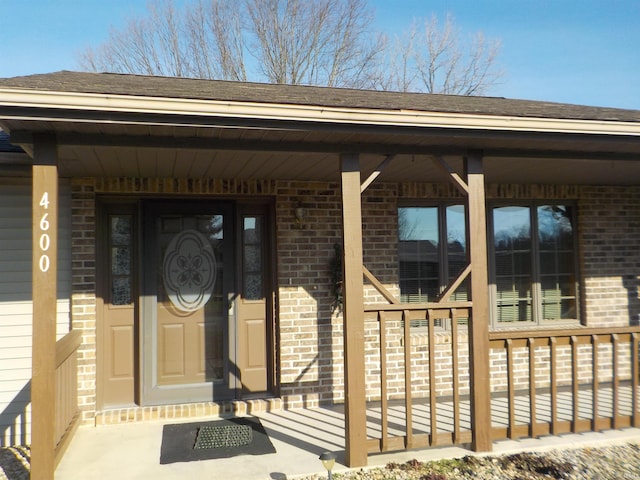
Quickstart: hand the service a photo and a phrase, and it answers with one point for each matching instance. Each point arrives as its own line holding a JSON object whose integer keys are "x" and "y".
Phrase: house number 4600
{"x": 45, "y": 240}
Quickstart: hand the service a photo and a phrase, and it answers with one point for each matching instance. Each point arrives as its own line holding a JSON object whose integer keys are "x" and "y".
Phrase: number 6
{"x": 44, "y": 223}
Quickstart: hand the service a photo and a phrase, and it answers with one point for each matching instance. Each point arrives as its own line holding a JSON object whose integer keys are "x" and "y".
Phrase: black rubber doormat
{"x": 189, "y": 442}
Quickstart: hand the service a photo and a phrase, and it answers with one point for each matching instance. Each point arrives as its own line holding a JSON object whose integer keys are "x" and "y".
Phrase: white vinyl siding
{"x": 15, "y": 300}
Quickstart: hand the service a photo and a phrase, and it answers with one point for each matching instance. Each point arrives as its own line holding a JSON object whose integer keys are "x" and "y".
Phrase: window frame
{"x": 444, "y": 278}
{"x": 536, "y": 287}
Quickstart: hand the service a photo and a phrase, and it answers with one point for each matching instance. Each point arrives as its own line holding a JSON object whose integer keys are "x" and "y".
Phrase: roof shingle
{"x": 226, "y": 91}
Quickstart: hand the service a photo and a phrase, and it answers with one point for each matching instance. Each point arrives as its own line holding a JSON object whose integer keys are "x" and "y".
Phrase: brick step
{"x": 236, "y": 408}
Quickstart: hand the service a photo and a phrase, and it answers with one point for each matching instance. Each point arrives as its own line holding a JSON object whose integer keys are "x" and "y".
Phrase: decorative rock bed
{"x": 14, "y": 463}
{"x": 606, "y": 463}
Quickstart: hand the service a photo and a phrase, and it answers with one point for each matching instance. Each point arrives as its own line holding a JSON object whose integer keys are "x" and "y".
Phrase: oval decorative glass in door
{"x": 189, "y": 270}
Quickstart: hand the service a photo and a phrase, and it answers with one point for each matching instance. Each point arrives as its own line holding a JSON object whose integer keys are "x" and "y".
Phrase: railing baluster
{"x": 635, "y": 360}
{"x": 511, "y": 390}
{"x": 433, "y": 399}
{"x": 384, "y": 396}
{"x": 554, "y": 384}
{"x": 595, "y": 342}
{"x": 575, "y": 383}
{"x": 532, "y": 388}
{"x": 407, "y": 379}
{"x": 615, "y": 381}
{"x": 456, "y": 375}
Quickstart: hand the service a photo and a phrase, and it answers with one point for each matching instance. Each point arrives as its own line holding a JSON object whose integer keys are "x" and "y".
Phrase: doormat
{"x": 189, "y": 442}
{"x": 211, "y": 436}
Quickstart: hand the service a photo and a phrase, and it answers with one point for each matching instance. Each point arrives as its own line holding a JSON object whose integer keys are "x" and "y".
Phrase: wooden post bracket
{"x": 376, "y": 173}
{"x": 455, "y": 178}
{"x": 389, "y": 297}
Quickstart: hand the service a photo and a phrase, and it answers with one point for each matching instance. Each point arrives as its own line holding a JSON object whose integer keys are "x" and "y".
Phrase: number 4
{"x": 44, "y": 201}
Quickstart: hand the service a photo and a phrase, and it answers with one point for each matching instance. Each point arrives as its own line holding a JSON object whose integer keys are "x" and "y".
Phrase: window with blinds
{"x": 431, "y": 250}
{"x": 534, "y": 267}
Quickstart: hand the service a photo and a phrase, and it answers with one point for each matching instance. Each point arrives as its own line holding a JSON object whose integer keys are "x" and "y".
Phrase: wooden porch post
{"x": 479, "y": 326}
{"x": 44, "y": 285}
{"x": 353, "y": 314}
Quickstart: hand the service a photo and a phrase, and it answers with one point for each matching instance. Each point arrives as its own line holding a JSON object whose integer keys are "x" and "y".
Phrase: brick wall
{"x": 380, "y": 243}
{"x": 83, "y": 297}
{"x": 309, "y": 331}
{"x": 310, "y": 350}
{"x": 610, "y": 245}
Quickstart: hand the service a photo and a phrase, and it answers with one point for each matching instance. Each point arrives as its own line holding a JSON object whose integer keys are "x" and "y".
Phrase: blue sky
{"x": 574, "y": 51}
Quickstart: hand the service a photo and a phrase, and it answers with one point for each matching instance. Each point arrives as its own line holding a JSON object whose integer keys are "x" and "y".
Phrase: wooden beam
{"x": 376, "y": 173}
{"x": 437, "y": 147}
{"x": 479, "y": 325}
{"x": 24, "y": 138}
{"x": 353, "y": 314}
{"x": 44, "y": 297}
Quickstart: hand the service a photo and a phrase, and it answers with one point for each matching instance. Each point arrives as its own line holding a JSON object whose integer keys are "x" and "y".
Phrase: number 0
{"x": 44, "y": 263}
{"x": 45, "y": 242}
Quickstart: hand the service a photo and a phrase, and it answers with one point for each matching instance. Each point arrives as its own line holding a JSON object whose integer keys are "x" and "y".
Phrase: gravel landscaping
{"x": 620, "y": 462}
{"x": 14, "y": 463}
{"x": 603, "y": 463}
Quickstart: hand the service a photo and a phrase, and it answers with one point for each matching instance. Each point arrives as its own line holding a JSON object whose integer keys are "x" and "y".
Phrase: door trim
{"x": 140, "y": 207}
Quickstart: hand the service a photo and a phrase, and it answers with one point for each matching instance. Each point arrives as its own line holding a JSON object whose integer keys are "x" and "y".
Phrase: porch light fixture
{"x": 299, "y": 213}
{"x": 328, "y": 460}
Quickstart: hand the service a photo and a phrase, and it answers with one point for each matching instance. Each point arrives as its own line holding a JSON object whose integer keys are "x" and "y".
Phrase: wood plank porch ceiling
{"x": 190, "y": 152}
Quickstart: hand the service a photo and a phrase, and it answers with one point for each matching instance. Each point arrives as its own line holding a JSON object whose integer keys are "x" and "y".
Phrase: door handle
{"x": 231, "y": 299}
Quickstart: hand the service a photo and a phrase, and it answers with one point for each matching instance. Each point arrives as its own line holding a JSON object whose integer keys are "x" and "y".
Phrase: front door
{"x": 187, "y": 320}
{"x": 195, "y": 324}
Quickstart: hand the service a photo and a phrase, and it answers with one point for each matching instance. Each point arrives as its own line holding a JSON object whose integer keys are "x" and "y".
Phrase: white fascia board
{"x": 87, "y": 102}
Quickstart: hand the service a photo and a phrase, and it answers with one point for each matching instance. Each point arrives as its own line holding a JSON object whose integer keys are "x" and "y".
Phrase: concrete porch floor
{"x": 132, "y": 450}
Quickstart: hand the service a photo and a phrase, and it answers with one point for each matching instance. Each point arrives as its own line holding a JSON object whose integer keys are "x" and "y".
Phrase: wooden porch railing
{"x": 66, "y": 402}
{"x": 412, "y": 434}
{"x": 542, "y": 381}
{"x": 584, "y": 369}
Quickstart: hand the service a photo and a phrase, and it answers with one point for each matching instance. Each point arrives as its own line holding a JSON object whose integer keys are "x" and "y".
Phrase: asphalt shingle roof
{"x": 218, "y": 90}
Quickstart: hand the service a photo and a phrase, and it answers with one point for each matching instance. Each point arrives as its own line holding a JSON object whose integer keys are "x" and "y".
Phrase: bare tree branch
{"x": 445, "y": 65}
{"x": 433, "y": 58}
{"x": 320, "y": 42}
{"x": 214, "y": 34}
{"x": 314, "y": 42}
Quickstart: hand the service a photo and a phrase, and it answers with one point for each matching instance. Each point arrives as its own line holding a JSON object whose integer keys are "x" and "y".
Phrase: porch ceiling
{"x": 103, "y": 149}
